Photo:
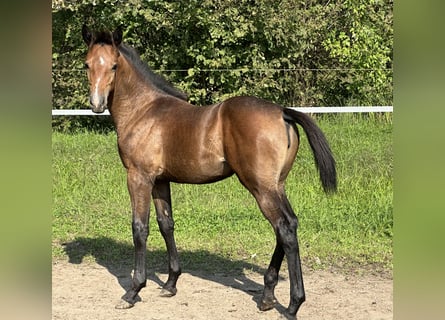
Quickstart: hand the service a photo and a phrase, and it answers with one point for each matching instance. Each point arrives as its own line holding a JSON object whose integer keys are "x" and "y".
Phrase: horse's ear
{"x": 117, "y": 36}
{"x": 86, "y": 35}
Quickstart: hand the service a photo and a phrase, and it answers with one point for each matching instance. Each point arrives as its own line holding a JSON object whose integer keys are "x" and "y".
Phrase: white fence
{"x": 88, "y": 112}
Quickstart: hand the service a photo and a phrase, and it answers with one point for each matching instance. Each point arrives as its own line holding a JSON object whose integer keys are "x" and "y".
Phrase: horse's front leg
{"x": 140, "y": 188}
{"x": 162, "y": 201}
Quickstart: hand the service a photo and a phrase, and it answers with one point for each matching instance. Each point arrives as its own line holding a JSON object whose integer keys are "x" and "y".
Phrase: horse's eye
{"x": 86, "y": 66}
{"x": 114, "y": 67}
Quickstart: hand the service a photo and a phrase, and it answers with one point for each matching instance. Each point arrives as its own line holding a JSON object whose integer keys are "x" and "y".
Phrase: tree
{"x": 362, "y": 41}
{"x": 295, "y": 53}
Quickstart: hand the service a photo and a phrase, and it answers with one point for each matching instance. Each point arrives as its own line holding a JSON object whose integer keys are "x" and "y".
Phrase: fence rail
{"x": 355, "y": 109}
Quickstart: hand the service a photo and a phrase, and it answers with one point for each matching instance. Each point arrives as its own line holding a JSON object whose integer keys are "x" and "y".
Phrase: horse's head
{"x": 101, "y": 64}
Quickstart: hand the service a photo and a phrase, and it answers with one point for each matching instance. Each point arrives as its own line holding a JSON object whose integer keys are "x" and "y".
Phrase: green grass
{"x": 219, "y": 225}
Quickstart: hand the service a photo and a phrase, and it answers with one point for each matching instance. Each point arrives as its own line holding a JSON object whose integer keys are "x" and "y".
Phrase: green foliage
{"x": 363, "y": 41}
{"x": 291, "y": 52}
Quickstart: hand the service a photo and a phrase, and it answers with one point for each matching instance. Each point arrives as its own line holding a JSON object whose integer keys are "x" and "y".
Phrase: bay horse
{"x": 162, "y": 139}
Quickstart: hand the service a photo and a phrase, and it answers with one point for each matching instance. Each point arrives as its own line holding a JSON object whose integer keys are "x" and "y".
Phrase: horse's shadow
{"x": 224, "y": 271}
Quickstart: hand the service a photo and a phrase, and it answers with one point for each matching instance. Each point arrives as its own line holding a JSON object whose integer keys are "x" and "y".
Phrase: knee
{"x": 140, "y": 231}
{"x": 165, "y": 223}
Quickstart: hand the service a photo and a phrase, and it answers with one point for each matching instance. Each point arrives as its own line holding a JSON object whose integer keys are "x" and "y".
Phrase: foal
{"x": 163, "y": 139}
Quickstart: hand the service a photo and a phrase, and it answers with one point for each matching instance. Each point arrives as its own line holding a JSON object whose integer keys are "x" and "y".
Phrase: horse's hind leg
{"x": 276, "y": 207}
{"x": 162, "y": 201}
{"x": 288, "y": 234}
{"x": 268, "y": 299}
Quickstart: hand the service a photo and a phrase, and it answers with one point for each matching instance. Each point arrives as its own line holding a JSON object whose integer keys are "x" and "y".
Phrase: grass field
{"x": 351, "y": 229}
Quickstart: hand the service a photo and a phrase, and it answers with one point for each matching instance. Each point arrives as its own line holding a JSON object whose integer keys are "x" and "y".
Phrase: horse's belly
{"x": 198, "y": 170}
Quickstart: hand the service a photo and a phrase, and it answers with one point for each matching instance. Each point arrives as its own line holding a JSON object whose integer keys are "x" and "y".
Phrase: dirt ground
{"x": 90, "y": 291}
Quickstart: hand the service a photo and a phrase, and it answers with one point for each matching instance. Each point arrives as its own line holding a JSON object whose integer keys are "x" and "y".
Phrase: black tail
{"x": 320, "y": 148}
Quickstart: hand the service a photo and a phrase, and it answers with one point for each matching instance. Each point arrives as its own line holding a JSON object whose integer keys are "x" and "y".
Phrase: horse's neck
{"x": 130, "y": 95}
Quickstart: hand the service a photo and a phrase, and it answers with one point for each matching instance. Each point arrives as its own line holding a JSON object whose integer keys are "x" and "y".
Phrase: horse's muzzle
{"x": 98, "y": 104}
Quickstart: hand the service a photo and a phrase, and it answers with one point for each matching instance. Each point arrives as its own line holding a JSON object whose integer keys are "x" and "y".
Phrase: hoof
{"x": 267, "y": 305}
{"x": 167, "y": 293}
{"x": 122, "y": 304}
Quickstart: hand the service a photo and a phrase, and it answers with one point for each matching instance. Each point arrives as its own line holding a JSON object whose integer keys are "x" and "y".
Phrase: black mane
{"x": 147, "y": 74}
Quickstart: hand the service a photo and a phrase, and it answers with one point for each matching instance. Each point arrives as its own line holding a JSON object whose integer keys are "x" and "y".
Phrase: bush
{"x": 291, "y": 52}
